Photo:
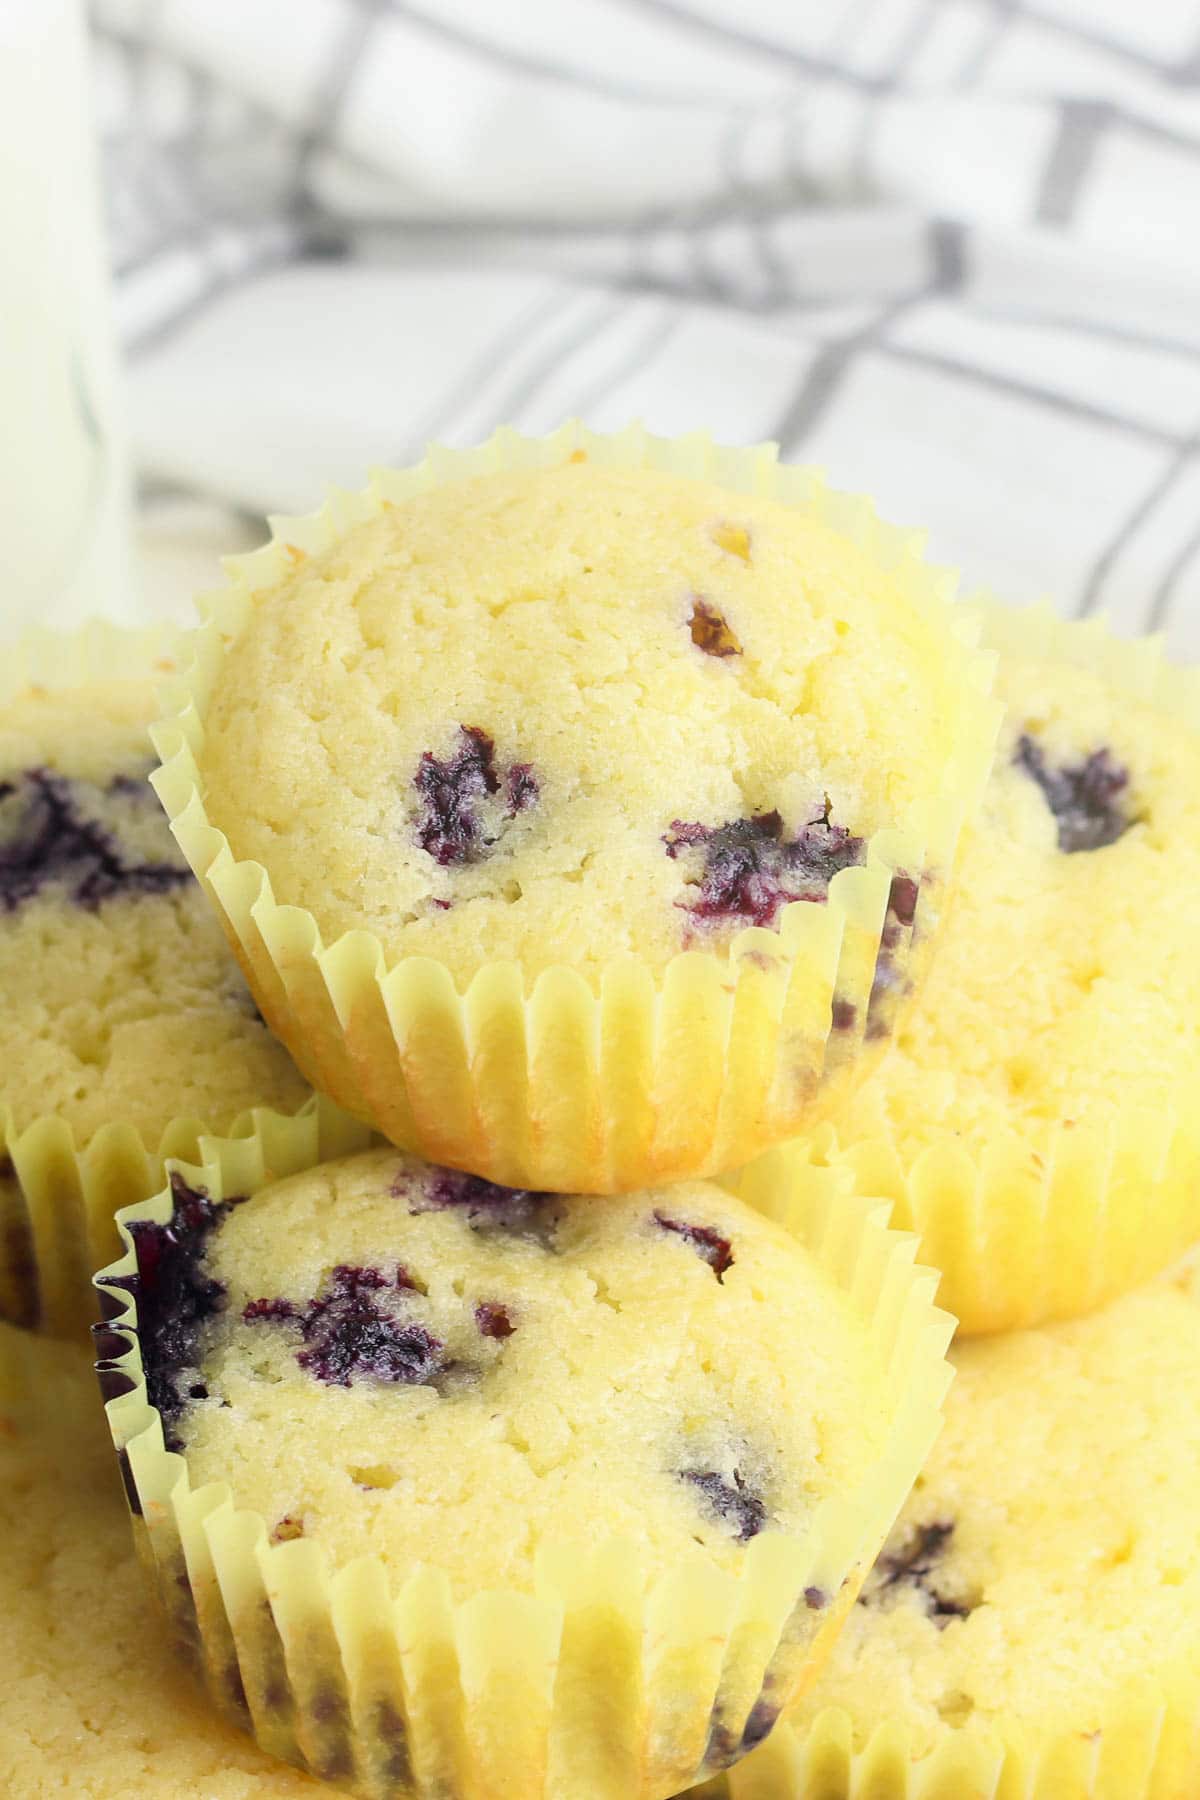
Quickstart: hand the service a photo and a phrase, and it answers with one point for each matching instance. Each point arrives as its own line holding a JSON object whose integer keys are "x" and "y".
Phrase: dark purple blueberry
{"x": 272, "y": 1312}
{"x": 46, "y": 836}
{"x": 494, "y": 1320}
{"x": 914, "y": 1565}
{"x": 352, "y": 1330}
{"x": 749, "y": 870}
{"x": 843, "y": 1015}
{"x": 705, "y": 1240}
{"x": 521, "y": 786}
{"x": 452, "y": 788}
{"x": 1084, "y": 797}
{"x": 485, "y": 1205}
{"x": 816, "y": 1599}
{"x": 175, "y": 1297}
{"x": 731, "y": 1501}
{"x": 710, "y": 630}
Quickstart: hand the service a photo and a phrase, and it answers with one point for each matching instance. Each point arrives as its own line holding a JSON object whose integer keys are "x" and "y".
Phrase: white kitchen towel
{"x": 949, "y": 249}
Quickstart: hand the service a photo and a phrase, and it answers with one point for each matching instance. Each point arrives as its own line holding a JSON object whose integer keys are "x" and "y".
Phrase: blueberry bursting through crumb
{"x": 45, "y": 836}
{"x": 915, "y": 1566}
{"x": 748, "y": 869}
{"x": 729, "y": 1500}
{"x": 352, "y": 1330}
{"x": 1084, "y": 797}
{"x": 486, "y": 1206}
{"x": 452, "y": 789}
{"x": 494, "y": 1320}
{"x": 705, "y": 1240}
{"x": 175, "y": 1298}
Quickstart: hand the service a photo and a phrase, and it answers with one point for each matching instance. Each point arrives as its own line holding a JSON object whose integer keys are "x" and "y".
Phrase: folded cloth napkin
{"x": 946, "y": 248}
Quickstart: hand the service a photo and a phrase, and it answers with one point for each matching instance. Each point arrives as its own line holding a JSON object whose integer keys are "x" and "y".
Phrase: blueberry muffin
{"x": 101, "y": 1710}
{"x": 126, "y": 1026}
{"x": 1037, "y": 1119}
{"x": 614, "y": 791}
{"x": 1033, "y": 1624}
{"x": 502, "y": 1494}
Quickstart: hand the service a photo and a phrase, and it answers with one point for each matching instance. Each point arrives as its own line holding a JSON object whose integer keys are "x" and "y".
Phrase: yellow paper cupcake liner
{"x": 1061, "y": 1216}
{"x": 640, "y": 1686}
{"x": 58, "y": 1198}
{"x": 657, "y": 1075}
{"x": 1146, "y": 1747}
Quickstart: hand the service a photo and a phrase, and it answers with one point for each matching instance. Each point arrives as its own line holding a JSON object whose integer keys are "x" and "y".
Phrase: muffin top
{"x": 121, "y": 999}
{"x": 565, "y": 714}
{"x": 1047, "y": 1557}
{"x": 1066, "y": 983}
{"x": 93, "y": 1703}
{"x": 390, "y": 1358}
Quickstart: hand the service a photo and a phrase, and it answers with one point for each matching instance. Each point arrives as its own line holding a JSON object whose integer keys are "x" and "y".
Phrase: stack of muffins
{"x": 662, "y": 913}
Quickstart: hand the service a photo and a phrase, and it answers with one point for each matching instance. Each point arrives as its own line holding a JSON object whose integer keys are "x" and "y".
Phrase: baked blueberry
{"x": 707, "y": 1242}
{"x": 52, "y": 834}
{"x": 746, "y": 871}
{"x": 1086, "y": 797}
{"x": 914, "y": 1562}
{"x": 729, "y": 1499}
{"x": 356, "y": 1329}
{"x": 485, "y": 1205}
{"x": 454, "y": 824}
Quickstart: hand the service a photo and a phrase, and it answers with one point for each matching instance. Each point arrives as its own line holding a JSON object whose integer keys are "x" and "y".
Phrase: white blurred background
{"x": 946, "y": 248}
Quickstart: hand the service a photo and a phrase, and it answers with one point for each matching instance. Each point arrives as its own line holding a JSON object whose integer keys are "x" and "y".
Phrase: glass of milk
{"x": 64, "y": 472}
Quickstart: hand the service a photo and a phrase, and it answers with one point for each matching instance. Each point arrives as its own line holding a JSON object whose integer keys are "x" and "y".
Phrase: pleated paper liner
{"x": 1147, "y": 1747}
{"x": 59, "y": 1200}
{"x": 1054, "y": 1217}
{"x": 396, "y": 1689}
{"x": 58, "y": 1197}
{"x": 656, "y": 1075}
